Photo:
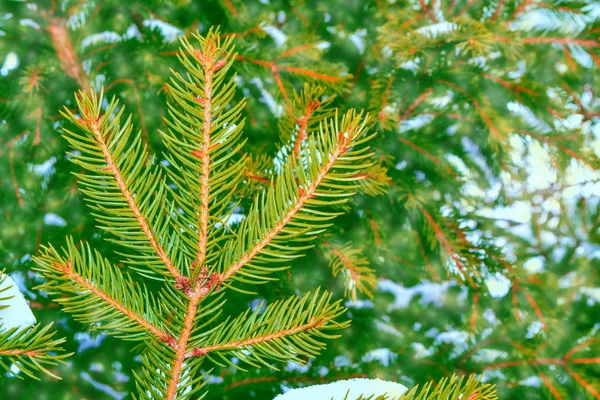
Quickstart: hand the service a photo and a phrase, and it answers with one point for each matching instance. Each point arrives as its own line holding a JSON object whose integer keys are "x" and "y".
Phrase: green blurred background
{"x": 510, "y": 178}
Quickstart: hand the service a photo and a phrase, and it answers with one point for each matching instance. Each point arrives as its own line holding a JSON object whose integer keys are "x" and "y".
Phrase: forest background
{"x": 476, "y": 236}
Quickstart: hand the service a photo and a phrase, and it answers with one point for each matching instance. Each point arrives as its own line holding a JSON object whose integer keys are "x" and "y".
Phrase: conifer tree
{"x": 470, "y": 245}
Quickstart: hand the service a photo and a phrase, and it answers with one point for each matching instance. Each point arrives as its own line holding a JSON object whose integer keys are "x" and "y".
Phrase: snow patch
{"x": 498, "y": 285}
{"x": 431, "y": 293}
{"x": 350, "y": 389}
{"x": 276, "y": 34}
{"x": 17, "y": 314}
{"x": 53, "y": 219}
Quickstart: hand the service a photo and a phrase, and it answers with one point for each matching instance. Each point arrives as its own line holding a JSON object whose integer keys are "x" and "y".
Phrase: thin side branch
{"x": 63, "y": 46}
{"x": 68, "y": 271}
{"x": 19, "y": 352}
{"x": 444, "y": 242}
{"x": 95, "y": 128}
{"x": 349, "y": 265}
{"x": 303, "y": 197}
{"x": 303, "y": 121}
{"x": 201, "y": 352}
{"x": 478, "y": 107}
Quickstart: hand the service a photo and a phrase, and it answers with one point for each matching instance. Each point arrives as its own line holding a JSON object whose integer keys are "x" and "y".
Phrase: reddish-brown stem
{"x": 549, "y": 385}
{"x": 583, "y": 383}
{"x": 37, "y": 113}
{"x": 589, "y": 360}
{"x": 312, "y": 74}
{"x": 564, "y": 149}
{"x": 510, "y": 86}
{"x": 94, "y": 126}
{"x": 355, "y": 276}
{"x": 521, "y": 8}
{"x": 543, "y": 361}
{"x": 451, "y": 7}
{"x": 444, "y": 242}
{"x": 485, "y": 118}
{"x": 207, "y": 60}
{"x": 579, "y": 42}
{"x": 256, "y": 177}
{"x": 303, "y": 122}
{"x": 466, "y": 7}
{"x": 498, "y": 10}
{"x": 475, "y": 309}
{"x": 412, "y": 21}
{"x": 62, "y": 45}
{"x": 231, "y": 8}
{"x": 576, "y": 98}
{"x": 149, "y": 10}
{"x": 281, "y": 87}
{"x": 257, "y": 28}
{"x": 430, "y": 156}
{"x": 596, "y": 59}
{"x": 536, "y": 309}
{"x": 200, "y": 352}
{"x": 99, "y": 49}
{"x": 274, "y": 68}
{"x": 429, "y": 10}
{"x": 507, "y": 364}
{"x": 476, "y": 348}
{"x": 579, "y": 347}
{"x": 515, "y": 303}
{"x": 384, "y": 98}
{"x": 376, "y": 235}
{"x": 416, "y": 103}
{"x": 424, "y": 152}
{"x": 181, "y": 346}
{"x": 14, "y": 177}
{"x": 296, "y": 50}
{"x": 569, "y": 58}
{"x": 68, "y": 271}
{"x": 20, "y": 352}
{"x": 434, "y": 275}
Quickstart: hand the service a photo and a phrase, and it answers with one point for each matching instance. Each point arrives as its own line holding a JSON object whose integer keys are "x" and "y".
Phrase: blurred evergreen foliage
{"x": 477, "y": 231}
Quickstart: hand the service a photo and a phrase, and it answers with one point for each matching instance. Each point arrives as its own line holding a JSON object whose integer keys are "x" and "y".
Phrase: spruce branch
{"x": 452, "y": 388}
{"x": 204, "y": 139}
{"x": 126, "y": 195}
{"x": 354, "y": 266}
{"x": 99, "y": 294}
{"x": 290, "y": 209}
{"x": 283, "y": 331}
{"x": 28, "y": 349}
{"x": 31, "y": 350}
{"x": 309, "y": 108}
{"x": 176, "y": 224}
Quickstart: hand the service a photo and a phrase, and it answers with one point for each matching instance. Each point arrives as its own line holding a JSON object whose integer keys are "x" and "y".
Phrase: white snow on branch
{"x": 18, "y": 314}
{"x": 276, "y": 34}
{"x": 354, "y": 388}
{"x": 168, "y": 31}
{"x": 438, "y": 29}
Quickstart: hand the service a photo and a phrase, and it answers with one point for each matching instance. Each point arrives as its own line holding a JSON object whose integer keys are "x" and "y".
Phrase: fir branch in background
{"x": 353, "y": 266}
{"x": 487, "y": 116}
{"x": 451, "y": 388}
{"x": 30, "y": 351}
{"x": 23, "y": 348}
